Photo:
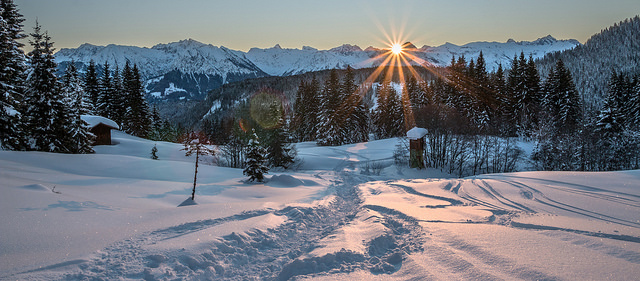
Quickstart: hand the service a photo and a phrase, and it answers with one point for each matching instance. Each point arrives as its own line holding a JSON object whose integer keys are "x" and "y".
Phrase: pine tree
{"x": 74, "y": 88}
{"x": 106, "y": 99}
{"x": 156, "y": 125}
{"x": 329, "y": 132}
{"x": 280, "y": 151}
{"x": 92, "y": 88}
{"x": 12, "y": 77}
{"x": 46, "y": 114}
{"x": 388, "y": 116}
{"x": 255, "y": 163}
{"x": 119, "y": 103}
{"x": 138, "y": 114}
{"x": 353, "y": 112}
{"x": 78, "y": 104}
{"x": 530, "y": 99}
{"x": 562, "y": 100}
{"x": 298, "y": 124}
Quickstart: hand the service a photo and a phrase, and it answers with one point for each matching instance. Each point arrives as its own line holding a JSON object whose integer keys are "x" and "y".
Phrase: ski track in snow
{"x": 284, "y": 252}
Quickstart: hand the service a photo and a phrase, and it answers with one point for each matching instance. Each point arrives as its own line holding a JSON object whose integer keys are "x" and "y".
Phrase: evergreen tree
{"x": 12, "y": 76}
{"x": 156, "y": 125}
{"x": 562, "y": 102}
{"x": 530, "y": 97}
{"x": 46, "y": 114}
{"x": 255, "y": 163}
{"x": 329, "y": 132}
{"x": 297, "y": 121}
{"x": 106, "y": 99}
{"x": 92, "y": 88}
{"x": 353, "y": 111}
{"x": 78, "y": 104}
{"x": 138, "y": 114}
{"x": 119, "y": 103}
{"x": 388, "y": 116}
{"x": 74, "y": 88}
{"x": 280, "y": 151}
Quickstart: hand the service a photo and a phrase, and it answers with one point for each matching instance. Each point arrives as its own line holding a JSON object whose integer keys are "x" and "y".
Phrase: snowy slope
{"x": 113, "y": 215}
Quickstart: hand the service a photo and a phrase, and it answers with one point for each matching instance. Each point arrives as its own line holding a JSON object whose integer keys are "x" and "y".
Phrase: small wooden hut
{"x": 101, "y": 127}
{"x": 416, "y": 147}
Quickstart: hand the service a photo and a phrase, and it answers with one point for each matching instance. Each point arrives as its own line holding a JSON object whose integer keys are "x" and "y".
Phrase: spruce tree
{"x": 106, "y": 99}
{"x": 138, "y": 112}
{"x": 280, "y": 151}
{"x": 78, "y": 103}
{"x": 331, "y": 99}
{"x": 298, "y": 125}
{"x": 312, "y": 109}
{"x": 353, "y": 112}
{"x": 46, "y": 114}
{"x": 119, "y": 105}
{"x": 12, "y": 77}
{"x": 255, "y": 163}
{"x": 92, "y": 88}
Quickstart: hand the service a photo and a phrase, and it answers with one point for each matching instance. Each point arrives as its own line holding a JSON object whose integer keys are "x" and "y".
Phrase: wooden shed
{"x": 416, "y": 147}
{"x": 101, "y": 127}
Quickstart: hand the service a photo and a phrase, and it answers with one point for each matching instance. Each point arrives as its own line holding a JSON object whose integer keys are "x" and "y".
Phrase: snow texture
{"x": 416, "y": 133}
{"x": 94, "y": 120}
{"x": 113, "y": 216}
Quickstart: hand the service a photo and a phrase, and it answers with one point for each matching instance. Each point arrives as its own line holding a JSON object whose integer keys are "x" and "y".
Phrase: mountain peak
{"x": 409, "y": 46}
{"x": 346, "y": 48}
{"x": 277, "y": 47}
{"x": 545, "y": 40}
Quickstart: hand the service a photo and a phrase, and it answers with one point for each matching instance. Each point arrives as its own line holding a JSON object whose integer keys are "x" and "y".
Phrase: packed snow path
{"x": 338, "y": 221}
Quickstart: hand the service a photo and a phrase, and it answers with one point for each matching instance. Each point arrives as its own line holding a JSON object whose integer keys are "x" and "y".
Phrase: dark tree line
{"x": 332, "y": 114}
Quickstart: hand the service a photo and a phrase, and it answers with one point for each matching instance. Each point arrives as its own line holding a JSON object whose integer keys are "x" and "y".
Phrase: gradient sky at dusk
{"x": 242, "y": 24}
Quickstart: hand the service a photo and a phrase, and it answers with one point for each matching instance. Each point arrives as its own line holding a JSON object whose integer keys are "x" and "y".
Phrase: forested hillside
{"x": 616, "y": 48}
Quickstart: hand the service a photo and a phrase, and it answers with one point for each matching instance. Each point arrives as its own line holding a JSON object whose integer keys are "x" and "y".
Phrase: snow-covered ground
{"x": 114, "y": 215}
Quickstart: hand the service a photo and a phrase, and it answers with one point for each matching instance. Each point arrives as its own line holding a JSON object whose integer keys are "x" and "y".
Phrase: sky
{"x": 243, "y": 24}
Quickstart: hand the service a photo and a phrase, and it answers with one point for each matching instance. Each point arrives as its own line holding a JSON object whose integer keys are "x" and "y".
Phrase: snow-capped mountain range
{"x": 189, "y": 69}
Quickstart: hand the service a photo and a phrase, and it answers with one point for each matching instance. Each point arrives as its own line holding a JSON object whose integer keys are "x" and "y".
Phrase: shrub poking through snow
{"x": 154, "y": 150}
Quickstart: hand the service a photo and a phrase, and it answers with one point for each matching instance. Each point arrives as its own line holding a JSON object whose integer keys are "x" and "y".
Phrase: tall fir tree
{"x": 562, "y": 100}
{"x": 119, "y": 104}
{"x": 329, "y": 132}
{"x": 46, "y": 114}
{"x": 138, "y": 109}
{"x": 106, "y": 99}
{"x": 78, "y": 103}
{"x": 353, "y": 112}
{"x": 12, "y": 77}
{"x": 92, "y": 87}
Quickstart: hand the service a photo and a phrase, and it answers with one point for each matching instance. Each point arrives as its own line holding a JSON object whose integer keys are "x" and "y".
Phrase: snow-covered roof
{"x": 94, "y": 120}
{"x": 416, "y": 133}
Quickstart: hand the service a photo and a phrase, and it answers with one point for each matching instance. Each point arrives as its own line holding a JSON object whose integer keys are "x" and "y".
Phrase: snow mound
{"x": 188, "y": 202}
{"x": 284, "y": 181}
{"x": 35, "y": 187}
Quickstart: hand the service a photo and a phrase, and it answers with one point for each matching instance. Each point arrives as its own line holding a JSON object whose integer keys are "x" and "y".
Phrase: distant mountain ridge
{"x": 188, "y": 69}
